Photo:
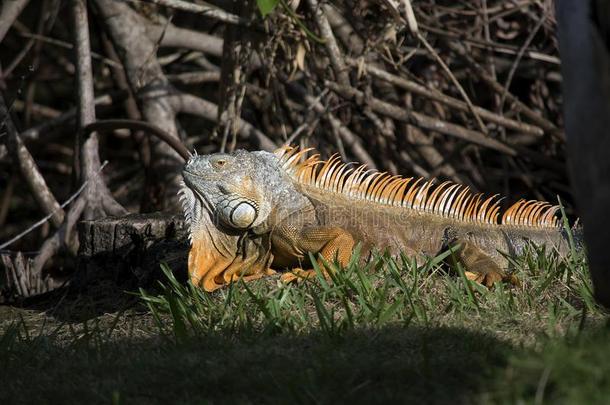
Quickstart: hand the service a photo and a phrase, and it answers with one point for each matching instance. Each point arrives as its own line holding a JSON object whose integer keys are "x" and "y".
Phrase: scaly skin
{"x": 253, "y": 212}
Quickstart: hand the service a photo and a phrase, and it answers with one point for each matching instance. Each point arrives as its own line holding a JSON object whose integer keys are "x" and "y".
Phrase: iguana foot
{"x": 252, "y": 277}
{"x": 482, "y": 268}
{"x": 488, "y": 279}
{"x": 298, "y": 275}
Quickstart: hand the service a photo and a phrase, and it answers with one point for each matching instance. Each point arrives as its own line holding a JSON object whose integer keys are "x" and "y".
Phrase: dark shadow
{"x": 117, "y": 256}
{"x": 384, "y": 365}
{"x": 82, "y": 302}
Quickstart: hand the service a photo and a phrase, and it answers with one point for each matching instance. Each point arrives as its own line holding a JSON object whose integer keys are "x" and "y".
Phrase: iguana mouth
{"x": 194, "y": 204}
{"x": 187, "y": 173}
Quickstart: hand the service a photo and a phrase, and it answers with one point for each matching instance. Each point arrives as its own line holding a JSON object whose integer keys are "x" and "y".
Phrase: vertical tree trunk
{"x": 586, "y": 87}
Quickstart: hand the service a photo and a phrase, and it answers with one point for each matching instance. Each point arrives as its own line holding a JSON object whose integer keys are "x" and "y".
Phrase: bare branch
{"x": 42, "y": 220}
{"x": 190, "y": 39}
{"x": 99, "y": 199}
{"x": 62, "y": 237}
{"x": 66, "y": 45}
{"x": 9, "y": 12}
{"x": 435, "y": 95}
{"x": 456, "y": 83}
{"x": 86, "y": 106}
{"x": 334, "y": 53}
{"x": 422, "y": 120}
{"x": 111, "y": 125}
{"x": 497, "y": 87}
{"x": 204, "y": 10}
{"x": 28, "y": 169}
{"x": 21, "y": 281}
{"x": 513, "y": 68}
{"x": 127, "y": 30}
{"x": 194, "y": 77}
{"x": 238, "y": 49}
{"x": 350, "y": 139}
{"x": 190, "y": 104}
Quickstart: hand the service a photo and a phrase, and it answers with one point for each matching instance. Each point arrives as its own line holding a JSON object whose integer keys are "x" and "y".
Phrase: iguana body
{"x": 253, "y": 212}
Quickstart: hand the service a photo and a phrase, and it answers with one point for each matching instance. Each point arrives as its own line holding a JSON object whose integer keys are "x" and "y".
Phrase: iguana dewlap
{"x": 251, "y": 213}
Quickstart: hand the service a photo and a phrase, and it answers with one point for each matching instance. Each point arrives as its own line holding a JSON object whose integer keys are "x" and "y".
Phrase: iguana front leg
{"x": 479, "y": 266}
{"x": 292, "y": 242}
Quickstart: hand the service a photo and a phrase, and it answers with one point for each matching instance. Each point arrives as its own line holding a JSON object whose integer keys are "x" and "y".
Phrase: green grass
{"x": 386, "y": 331}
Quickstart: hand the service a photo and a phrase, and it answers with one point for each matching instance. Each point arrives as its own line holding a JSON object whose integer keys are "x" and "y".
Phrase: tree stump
{"x": 129, "y": 250}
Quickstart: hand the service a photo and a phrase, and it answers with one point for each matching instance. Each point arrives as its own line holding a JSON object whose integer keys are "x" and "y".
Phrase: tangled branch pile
{"x": 465, "y": 91}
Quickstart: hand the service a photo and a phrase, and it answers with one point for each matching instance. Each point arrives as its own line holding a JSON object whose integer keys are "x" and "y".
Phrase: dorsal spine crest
{"x": 447, "y": 199}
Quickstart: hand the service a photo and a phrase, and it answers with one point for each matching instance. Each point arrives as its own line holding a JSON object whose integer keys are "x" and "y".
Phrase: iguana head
{"x": 236, "y": 190}
{"x": 224, "y": 196}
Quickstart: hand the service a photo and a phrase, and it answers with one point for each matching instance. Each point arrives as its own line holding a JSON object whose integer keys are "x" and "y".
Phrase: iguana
{"x": 251, "y": 213}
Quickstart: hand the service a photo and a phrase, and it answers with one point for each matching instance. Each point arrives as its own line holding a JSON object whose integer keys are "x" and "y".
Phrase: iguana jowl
{"x": 253, "y": 212}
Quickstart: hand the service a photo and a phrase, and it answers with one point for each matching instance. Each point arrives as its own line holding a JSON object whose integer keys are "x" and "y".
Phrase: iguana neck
{"x": 285, "y": 201}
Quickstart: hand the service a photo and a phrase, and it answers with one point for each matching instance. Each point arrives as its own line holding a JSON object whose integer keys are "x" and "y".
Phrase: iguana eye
{"x": 219, "y": 162}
